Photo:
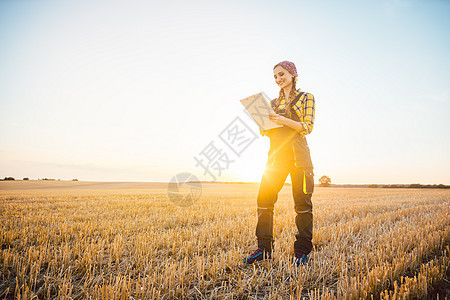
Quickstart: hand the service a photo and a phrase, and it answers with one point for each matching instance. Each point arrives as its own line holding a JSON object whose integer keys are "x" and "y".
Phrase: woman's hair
{"x": 290, "y": 97}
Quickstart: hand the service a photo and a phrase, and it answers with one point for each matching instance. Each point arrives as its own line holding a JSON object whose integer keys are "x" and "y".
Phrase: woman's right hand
{"x": 278, "y": 119}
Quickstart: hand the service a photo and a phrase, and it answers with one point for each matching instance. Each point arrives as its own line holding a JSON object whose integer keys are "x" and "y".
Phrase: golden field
{"x": 88, "y": 240}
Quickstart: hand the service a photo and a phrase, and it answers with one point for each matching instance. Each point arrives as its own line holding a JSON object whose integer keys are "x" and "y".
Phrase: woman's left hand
{"x": 280, "y": 120}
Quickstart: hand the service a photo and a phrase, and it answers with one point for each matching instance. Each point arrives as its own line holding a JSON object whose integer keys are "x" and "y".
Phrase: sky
{"x": 143, "y": 90}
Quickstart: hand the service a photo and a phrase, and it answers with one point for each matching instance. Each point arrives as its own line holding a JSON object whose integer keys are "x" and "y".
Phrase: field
{"x": 78, "y": 240}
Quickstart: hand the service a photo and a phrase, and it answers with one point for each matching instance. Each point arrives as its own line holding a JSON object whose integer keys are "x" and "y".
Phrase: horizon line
{"x": 220, "y": 182}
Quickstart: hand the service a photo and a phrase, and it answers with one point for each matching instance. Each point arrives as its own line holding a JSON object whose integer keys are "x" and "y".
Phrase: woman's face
{"x": 282, "y": 77}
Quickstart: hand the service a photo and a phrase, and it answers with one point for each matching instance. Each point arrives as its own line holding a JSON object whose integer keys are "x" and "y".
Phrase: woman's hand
{"x": 280, "y": 120}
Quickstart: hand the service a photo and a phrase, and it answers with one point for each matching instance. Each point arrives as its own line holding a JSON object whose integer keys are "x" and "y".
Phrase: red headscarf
{"x": 290, "y": 66}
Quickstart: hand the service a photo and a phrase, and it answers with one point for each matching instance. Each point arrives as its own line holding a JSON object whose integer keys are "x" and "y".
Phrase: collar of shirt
{"x": 283, "y": 100}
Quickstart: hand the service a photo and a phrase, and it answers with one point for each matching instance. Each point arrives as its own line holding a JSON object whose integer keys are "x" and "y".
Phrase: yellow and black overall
{"x": 289, "y": 154}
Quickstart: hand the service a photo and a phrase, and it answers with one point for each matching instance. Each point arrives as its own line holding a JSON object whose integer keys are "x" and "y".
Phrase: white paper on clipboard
{"x": 259, "y": 109}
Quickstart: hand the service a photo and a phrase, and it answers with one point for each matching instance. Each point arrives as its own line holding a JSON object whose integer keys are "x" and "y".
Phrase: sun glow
{"x": 251, "y": 166}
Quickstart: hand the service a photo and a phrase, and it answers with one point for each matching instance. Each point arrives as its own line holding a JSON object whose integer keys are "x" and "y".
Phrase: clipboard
{"x": 258, "y": 108}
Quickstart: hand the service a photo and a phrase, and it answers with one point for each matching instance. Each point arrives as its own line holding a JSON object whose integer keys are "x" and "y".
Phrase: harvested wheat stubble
{"x": 135, "y": 244}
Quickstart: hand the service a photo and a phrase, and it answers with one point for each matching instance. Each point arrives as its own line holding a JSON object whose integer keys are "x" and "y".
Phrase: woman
{"x": 288, "y": 154}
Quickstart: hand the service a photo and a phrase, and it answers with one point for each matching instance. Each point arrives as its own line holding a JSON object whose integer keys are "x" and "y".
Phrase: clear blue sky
{"x": 133, "y": 90}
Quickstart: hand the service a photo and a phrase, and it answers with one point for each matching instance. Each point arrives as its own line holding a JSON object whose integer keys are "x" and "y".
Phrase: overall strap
{"x": 290, "y": 104}
{"x": 273, "y": 104}
{"x": 274, "y": 101}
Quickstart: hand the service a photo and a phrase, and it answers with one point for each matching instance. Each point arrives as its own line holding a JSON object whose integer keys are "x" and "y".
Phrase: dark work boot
{"x": 300, "y": 258}
{"x": 258, "y": 255}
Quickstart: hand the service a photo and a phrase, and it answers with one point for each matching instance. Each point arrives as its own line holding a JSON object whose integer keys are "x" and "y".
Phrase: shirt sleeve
{"x": 306, "y": 113}
{"x": 261, "y": 132}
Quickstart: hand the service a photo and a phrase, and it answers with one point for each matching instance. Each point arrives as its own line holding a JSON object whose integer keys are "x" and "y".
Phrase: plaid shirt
{"x": 305, "y": 109}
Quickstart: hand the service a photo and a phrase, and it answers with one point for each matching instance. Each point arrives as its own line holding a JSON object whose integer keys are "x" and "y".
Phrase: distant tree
{"x": 325, "y": 181}
{"x": 373, "y": 185}
{"x": 74, "y": 179}
{"x": 9, "y": 178}
{"x": 415, "y": 185}
{"x": 26, "y": 178}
